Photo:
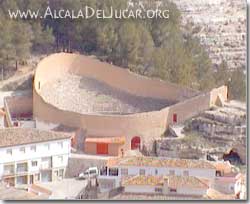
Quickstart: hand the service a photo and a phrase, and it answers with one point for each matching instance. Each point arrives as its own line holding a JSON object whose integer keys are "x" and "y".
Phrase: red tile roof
{"x": 173, "y": 181}
{"x": 22, "y": 136}
{"x": 160, "y": 162}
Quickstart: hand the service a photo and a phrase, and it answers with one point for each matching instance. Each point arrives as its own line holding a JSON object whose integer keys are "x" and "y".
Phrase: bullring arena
{"x": 111, "y": 108}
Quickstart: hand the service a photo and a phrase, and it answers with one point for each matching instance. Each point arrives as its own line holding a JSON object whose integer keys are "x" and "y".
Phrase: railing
{"x": 20, "y": 170}
{"x": 9, "y": 172}
{"x": 45, "y": 166}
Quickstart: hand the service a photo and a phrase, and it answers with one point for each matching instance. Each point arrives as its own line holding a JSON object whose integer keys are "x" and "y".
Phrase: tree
{"x": 22, "y": 40}
{"x": 107, "y": 38}
{"x": 6, "y": 45}
{"x": 43, "y": 38}
{"x": 202, "y": 64}
{"x": 222, "y": 74}
{"x": 237, "y": 85}
{"x": 127, "y": 47}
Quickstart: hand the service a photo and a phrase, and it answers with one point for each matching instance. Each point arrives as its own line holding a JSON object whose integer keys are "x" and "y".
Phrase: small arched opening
{"x": 135, "y": 142}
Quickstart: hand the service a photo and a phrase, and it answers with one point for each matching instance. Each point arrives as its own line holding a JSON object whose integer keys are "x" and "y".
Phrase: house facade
{"x": 116, "y": 170}
{"x": 29, "y": 156}
{"x": 166, "y": 185}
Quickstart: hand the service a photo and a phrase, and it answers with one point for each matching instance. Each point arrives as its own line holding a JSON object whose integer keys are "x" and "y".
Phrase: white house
{"x": 111, "y": 176}
{"x": 30, "y": 156}
{"x": 166, "y": 185}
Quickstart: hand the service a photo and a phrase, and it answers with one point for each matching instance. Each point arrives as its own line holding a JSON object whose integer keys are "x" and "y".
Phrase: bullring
{"x": 106, "y": 102}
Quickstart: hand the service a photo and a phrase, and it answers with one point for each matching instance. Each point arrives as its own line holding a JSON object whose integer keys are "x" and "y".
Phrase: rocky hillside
{"x": 221, "y": 26}
{"x": 212, "y": 134}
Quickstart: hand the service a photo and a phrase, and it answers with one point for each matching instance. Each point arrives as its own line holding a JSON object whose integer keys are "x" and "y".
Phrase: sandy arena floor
{"x": 87, "y": 95}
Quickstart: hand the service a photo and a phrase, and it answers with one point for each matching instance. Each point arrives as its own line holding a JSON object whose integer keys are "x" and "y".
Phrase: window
{"x": 124, "y": 172}
{"x": 60, "y": 144}
{"x": 218, "y": 173}
{"x": 142, "y": 172}
{"x": 113, "y": 172}
{"x": 22, "y": 150}
{"x": 33, "y": 148}
{"x": 171, "y": 172}
{"x": 20, "y": 180}
{"x": 47, "y": 146}
{"x": 9, "y": 169}
{"x": 22, "y": 167}
{"x": 158, "y": 190}
{"x": 173, "y": 190}
{"x": 103, "y": 171}
{"x": 156, "y": 171}
{"x": 185, "y": 173}
{"x": 34, "y": 163}
{"x": 9, "y": 151}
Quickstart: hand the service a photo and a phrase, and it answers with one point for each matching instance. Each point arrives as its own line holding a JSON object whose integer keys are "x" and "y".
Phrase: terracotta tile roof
{"x": 21, "y": 136}
{"x": 144, "y": 180}
{"x": 214, "y": 194}
{"x": 108, "y": 140}
{"x": 226, "y": 167}
{"x": 160, "y": 162}
{"x": 11, "y": 193}
{"x": 173, "y": 181}
{"x": 185, "y": 181}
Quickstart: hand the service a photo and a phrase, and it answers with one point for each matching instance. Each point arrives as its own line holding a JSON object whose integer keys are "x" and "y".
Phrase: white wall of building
{"x": 163, "y": 171}
{"x": 139, "y": 189}
{"x": 151, "y": 189}
{"x": 191, "y": 191}
{"x": 58, "y": 150}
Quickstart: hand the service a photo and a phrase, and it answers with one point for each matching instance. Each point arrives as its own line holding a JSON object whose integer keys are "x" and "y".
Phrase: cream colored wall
{"x": 146, "y": 125}
{"x": 188, "y": 108}
{"x": 223, "y": 91}
{"x": 19, "y": 104}
{"x": 90, "y": 148}
{"x": 143, "y": 124}
{"x": 55, "y": 65}
{"x": 114, "y": 149}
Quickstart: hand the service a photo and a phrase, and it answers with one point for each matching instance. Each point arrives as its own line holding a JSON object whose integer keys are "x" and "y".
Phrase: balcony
{"x": 45, "y": 166}
{"x": 46, "y": 163}
{"x": 22, "y": 168}
{"x": 9, "y": 170}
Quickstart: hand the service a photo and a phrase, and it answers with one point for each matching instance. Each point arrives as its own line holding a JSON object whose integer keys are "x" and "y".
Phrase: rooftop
{"x": 217, "y": 195}
{"x": 65, "y": 189}
{"x": 173, "y": 181}
{"x": 108, "y": 140}
{"x": 11, "y": 193}
{"x": 160, "y": 162}
{"x": 21, "y": 136}
{"x": 87, "y": 96}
